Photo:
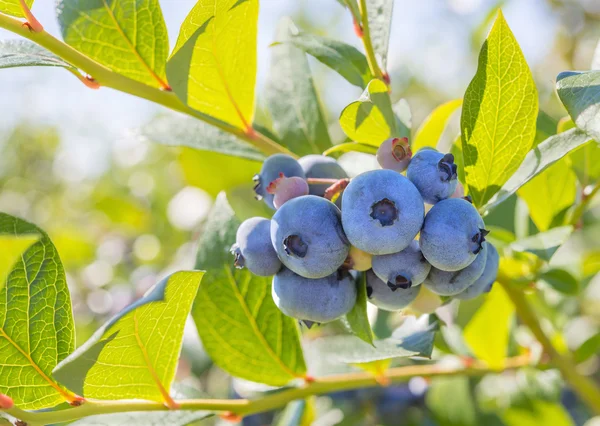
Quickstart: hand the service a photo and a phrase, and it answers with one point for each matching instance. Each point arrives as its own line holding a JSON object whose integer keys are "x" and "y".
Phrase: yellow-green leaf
{"x": 240, "y": 326}
{"x": 13, "y": 7}
{"x": 550, "y": 194}
{"x": 488, "y": 332}
{"x": 12, "y": 247}
{"x": 135, "y": 354}
{"x": 357, "y": 317}
{"x": 499, "y": 114}
{"x": 370, "y": 119}
{"x": 433, "y": 126}
{"x": 213, "y": 66}
{"x": 128, "y": 36}
{"x": 36, "y": 322}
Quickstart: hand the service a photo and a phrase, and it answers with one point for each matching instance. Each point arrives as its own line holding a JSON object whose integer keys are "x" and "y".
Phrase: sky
{"x": 429, "y": 37}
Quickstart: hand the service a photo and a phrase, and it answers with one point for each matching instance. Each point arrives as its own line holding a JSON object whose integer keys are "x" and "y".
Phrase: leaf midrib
{"x": 160, "y": 81}
{"x": 253, "y": 325}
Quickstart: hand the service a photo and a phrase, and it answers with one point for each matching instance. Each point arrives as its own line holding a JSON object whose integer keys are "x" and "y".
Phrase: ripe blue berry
{"x": 319, "y": 300}
{"x": 389, "y": 298}
{"x": 450, "y": 283}
{"x": 404, "y": 269}
{"x": 487, "y": 278}
{"x": 271, "y": 168}
{"x": 320, "y": 166}
{"x": 382, "y": 212}
{"x": 394, "y": 154}
{"x": 452, "y": 234}
{"x": 434, "y": 174}
{"x": 308, "y": 237}
{"x": 253, "y": 248}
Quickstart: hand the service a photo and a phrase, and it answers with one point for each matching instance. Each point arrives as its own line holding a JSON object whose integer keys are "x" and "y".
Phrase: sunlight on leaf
{"x": 134, "y": 355}
{"x": 213, "y": 66}
{"x": 370, "y": 119}
{"x": 36, "y": 327}
{"x": 488, "y": 332}
{"x": 580, "y": 94}
{"x": 499, "y": 114}
{"x": 12, "y": 248}
{"x": 544, "y": 244}
{"x": 433, "y": 126}
{"x": 128, "y": 36}
{"x": 13, "y": 7}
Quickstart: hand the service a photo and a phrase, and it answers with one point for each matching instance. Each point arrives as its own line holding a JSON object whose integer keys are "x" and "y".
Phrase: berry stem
{"x": 242, "y": 407}
{"x": 366, "y": 38}
{"x": 585, "y": 388}
{"x": 321, "y": 180}
{"x": 108, "y": 78}
{"x": 32, "y": 23}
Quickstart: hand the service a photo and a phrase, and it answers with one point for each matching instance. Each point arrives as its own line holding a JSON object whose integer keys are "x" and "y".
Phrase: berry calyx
{"x": 401, "y": 149}
{"x": 400, "y": 282}
{"x": 295, "y": 246}
{"x": 385, "y": 212}
{"x": 239, "y": 261}
{"x": 478, "y": 239}
{"x": 448, "y": 170}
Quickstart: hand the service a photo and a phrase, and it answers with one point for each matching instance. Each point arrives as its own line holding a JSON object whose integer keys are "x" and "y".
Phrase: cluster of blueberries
{"x": 318, "y": 240}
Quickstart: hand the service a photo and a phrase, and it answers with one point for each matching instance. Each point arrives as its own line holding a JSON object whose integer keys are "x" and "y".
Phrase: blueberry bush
{"x": 342, "y": 267}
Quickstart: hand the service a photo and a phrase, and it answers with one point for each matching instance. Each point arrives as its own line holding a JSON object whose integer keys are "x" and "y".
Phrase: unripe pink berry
{"x": 284, "y": 189}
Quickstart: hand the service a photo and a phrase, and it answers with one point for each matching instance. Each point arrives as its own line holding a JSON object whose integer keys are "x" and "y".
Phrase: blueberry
{"x": 285, "y": 188}
{"x": 452, "y": 234}
{"x": 320, "y": 166}
{"x": 447, "y": 283}
{"x": 308, "y": 237}
{"x": 434, "y": 174}
{"x": 271, "y": 168}
{"x": 404, "y": 269}
{"x": 487, "y": 278}
{"x": 389, "y": 298}
{"x": 382, "y": 212}
{"x": 394, "y": 154}
{"x": 253, "y": 248}
{"x": 319, "y": 300}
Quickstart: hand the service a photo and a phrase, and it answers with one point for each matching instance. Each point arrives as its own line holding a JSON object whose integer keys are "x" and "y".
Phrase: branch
{"x": 244, "y": 407}
{"x": 581, "y": 208}
{"x": 585, "y": 388}
{"x": 108, "y": 78}
{"x": 366, "y": 38}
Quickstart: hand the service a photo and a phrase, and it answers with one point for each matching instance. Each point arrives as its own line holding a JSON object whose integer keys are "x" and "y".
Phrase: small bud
{"x": 394, "y": 154}
{"x": 284, "y": 189}
{"x": 6, "y": 402}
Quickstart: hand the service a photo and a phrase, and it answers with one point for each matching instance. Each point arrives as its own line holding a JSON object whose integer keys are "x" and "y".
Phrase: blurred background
{"x": 125, "y": 212}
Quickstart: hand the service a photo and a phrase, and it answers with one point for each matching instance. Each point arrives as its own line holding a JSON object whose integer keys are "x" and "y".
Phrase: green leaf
{"x": 562, "y": 281}
{"x": 13, "y": 7}
{"x": 348, "y": 61}
{"x": 580, "y": 94}
{"x": 351, "y": 146}
{"x": 413, "y": 338}
{"x": 544, "y": 244}
{"x": 134, "y": 355}
{"x": 379, "y": 15}
{"x": 127, "y": 36}
{"x": 357, "y": 317}
{"x": 585, "y": 161}
{"x": 488, "y": 332}
{"x": 241, "y": 328}
{"x": 546, "y": 126}
{"x": 370, "y": 119}
{"x": 537, "y": 412}
{"x": 12, "y": 248}
{"x": 536, "y": 161}
{"x": 146, "y": 418}
{"x": 180, "y": 130}
{"x": 298, "y": 413}
{"x": 213, "y": 66}
{"x": 499, "y": 114}
{"x": 587, "y": 349}
{"x": 36, "y": 322}
{"x": 550, "y": 194}
{"x": 433, "y": 126}
{"x": 23, "y": 53}
{"x": 451, "y": 402}
{"x": 292, "y": 98}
